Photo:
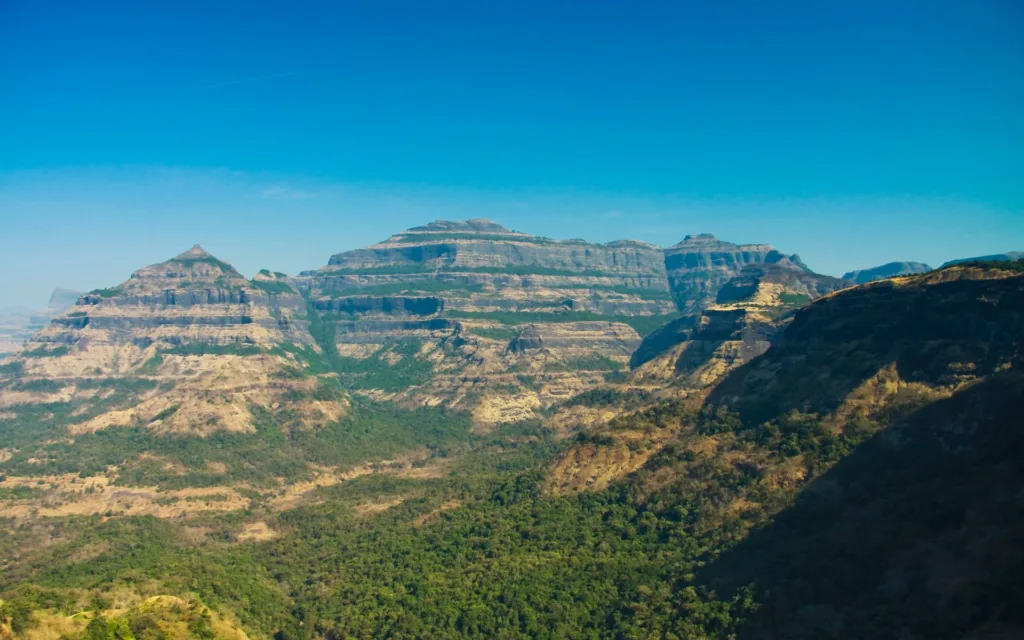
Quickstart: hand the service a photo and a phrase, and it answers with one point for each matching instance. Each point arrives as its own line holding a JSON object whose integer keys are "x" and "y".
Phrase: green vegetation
{"x": 45, "y": 351}
{"x": 19, "y": 492}
{"x": 643, "y": 293}
{"x": 207, "y": 349}
{"x": 189, "y": 263}
{"x": 794, "y": 299}
{"x": 609, "y": 397}
{"x": 12, "y": 369}
{"x": 411, "y": 287}
{"x": 379, "y": 372}
{"x": 275, "y": 274}
{"x": 272, "y": 286}
{"x": 41, "y": 385}
{"x": 487, "y": 237}
{"x": 644, "y": 325}
{"x": 503, "y": 334}
{"x": 512, "y": 270}
{"x": 111, "y": 292}
{"x": 1016, "y": 266}
{"x": 593, "y": 362}
{"x": 757, "y": 513}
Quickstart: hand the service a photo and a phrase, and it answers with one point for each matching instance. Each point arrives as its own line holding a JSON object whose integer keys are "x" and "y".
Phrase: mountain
{"x": 749, "y": 311}
{"x": 201, "y": 344}
{"x": 887, "y": 270}
{"x": 345, "y": 453}
{"x": 853, "y": 480}
{"x": 471, "y": 314}
{"x": 17, "y": 324}
{"x": 1009, "y": 256}
{"x": 699, "y": 265}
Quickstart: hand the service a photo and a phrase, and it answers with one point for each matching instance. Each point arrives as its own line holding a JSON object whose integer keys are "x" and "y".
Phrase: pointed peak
{"x": 195, "y": 253}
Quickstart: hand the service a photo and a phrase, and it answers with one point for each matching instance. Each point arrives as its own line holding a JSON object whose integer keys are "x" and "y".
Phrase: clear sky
{"x": 277, "y": 133}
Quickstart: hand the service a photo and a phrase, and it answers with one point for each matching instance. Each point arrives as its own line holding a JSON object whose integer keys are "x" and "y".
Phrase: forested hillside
{"x": 256, "y": 458}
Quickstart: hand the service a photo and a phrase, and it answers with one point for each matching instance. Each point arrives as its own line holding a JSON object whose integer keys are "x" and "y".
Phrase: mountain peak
{"x": 195, "y": 253}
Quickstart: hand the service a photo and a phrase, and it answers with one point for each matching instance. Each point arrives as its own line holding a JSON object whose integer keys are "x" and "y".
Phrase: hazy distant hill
{"x": 888, "y": 270}
{"x": 1009, "y": 256}
{"x": 17, "y": 324}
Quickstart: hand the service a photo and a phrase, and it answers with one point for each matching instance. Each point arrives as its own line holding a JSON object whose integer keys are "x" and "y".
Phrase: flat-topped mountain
{"x": 463, "y": 292}
{"x": 888, "y": 270}
{"x": 466, "y": 314}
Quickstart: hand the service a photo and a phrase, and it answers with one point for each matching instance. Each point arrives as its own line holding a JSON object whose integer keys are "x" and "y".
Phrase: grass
{"x": 272, "y": 287}
{"x": 46, "y": 352}
{"x": 594, "y": 362}
{"x": 503, "y": 334}
{"x": 392, "y": 288}
{"x": 188, "y": 263}
{"x": 643, "y": 325}
{"x": 518, "y": 270}
{"x": 794, "y": 299}
{"x": 110, "y": 292}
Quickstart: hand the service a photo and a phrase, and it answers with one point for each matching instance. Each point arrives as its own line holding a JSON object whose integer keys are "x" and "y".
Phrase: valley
{"x": 469, "y": 431}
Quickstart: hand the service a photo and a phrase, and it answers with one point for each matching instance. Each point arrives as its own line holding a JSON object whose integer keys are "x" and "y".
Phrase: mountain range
{"x": 466, "y": 430}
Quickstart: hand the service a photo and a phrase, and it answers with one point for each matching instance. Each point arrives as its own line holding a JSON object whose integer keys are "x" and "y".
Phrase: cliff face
{"x": 466, "y": 314}
{"x": 701, "y": 264}
{"x": 750, "y": 310}
{"x": 469, "y": 295}
{"x": 475, "y": 315}
{"x": 888, "y": 270}
{"x": 208, "y": 344}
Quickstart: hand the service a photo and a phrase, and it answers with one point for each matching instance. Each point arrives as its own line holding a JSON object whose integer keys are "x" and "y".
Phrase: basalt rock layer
{"x": 530, "y": 319}
{"x": 208, "y": 347}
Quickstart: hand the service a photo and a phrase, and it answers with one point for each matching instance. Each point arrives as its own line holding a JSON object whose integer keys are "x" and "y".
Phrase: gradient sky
{"x": 853, "y": 133}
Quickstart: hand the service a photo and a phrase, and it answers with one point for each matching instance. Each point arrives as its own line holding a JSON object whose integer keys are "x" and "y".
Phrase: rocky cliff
{"x": 452, "y": 306}
{"x": 207, "y": 347}
{"x": 888, "y": 270}
{"x": 465, "y": 314}
{"x": 749, "y": 311}
{"x": 701, "y": 264}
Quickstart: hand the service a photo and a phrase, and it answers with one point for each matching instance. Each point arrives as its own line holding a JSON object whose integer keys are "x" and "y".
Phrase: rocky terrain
{"x": 202, "y": 345}
{"x": 508, "y": 323}
{"x": 465, "y": 431}
{"x": 887, "y": 270}
{"x": 850, "y": 353}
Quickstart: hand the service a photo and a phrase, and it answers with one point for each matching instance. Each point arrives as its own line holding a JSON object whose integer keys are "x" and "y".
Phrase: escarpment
{"x": 206, "y": 350}
{"x": 467, "y": 314}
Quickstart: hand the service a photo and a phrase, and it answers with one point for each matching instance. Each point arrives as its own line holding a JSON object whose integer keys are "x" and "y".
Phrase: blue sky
{"x": 854, "y": 133}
